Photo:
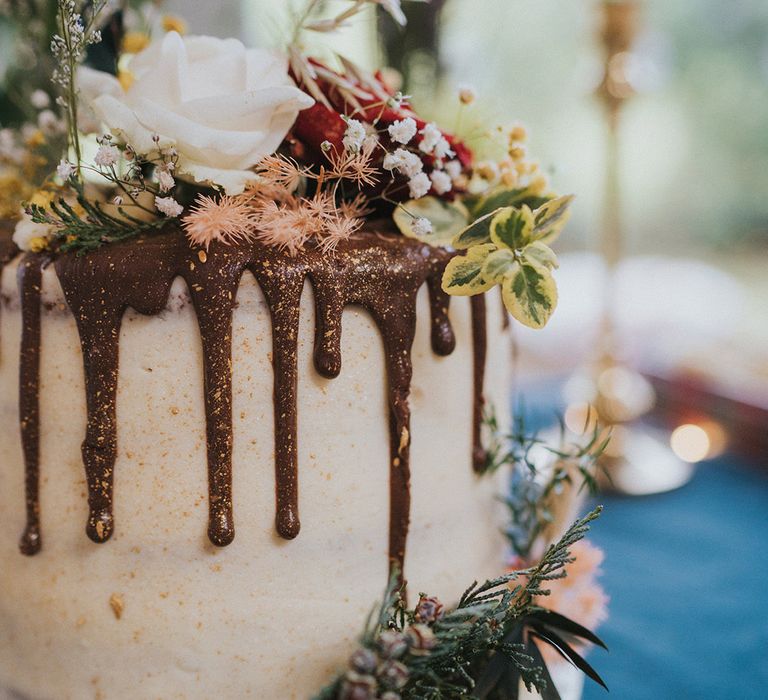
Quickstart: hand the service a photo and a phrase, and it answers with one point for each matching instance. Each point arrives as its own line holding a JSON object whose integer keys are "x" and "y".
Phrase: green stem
{"x": 74, "y": 136}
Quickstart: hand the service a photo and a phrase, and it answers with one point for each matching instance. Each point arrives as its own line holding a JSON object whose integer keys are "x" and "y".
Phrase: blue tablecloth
{"x": 687, "y": 573}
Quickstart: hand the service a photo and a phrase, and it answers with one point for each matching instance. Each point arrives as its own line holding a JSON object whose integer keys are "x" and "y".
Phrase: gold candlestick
{"x": 638, "y": 460}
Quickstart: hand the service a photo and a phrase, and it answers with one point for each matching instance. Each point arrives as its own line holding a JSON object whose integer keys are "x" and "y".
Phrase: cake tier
{"x": 235, "y": 542}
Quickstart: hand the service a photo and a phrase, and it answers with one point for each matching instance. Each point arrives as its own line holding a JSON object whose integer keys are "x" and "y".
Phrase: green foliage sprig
{"x": 89, "y": 226}
{"x": 481, "y": 648}
{"x": 507, "y": 244}
{"x": 506, "y": 236}
{"x": 531, "y": 492}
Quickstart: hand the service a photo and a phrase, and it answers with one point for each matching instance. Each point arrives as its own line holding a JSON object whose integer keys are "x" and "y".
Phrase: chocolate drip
{"x": 30, "y": 291}
{"x": 505, "y": 322}
{"x": 283, "y": 294}
{"x": 98, "y": 290}
{"x": 479, "y": 344}
{"x": 213, "y": 297}
{"x": 329, "y": 305}
{"x": 383, "y": 274}
{"x": 443, "y": 338}
{"x": 398, "y": 332}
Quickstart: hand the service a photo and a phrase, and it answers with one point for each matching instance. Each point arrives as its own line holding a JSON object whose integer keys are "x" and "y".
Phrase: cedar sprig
{"x": 481, "y": 648}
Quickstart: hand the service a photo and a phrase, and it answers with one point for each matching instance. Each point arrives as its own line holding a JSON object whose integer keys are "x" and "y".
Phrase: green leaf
{"x": 501, "y": 197}
{"x": 551, "y": 218}
{"x": 565, "y": 624}
{"x": 448, "y": 219}
{"x": 463, "y": 274}
{"x": 477, "y": 233}
{"x": 568, "y": 653}
{"x": 498, "y": 264}
{"x": 530, "y": 294}
{"x": 511, "y": 228}
{"x": 550, "y": 692}
{"x": 538, "y": 253}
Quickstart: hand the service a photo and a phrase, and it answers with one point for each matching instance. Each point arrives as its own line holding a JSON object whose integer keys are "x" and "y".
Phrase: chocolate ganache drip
{"x": 382, "y": 274}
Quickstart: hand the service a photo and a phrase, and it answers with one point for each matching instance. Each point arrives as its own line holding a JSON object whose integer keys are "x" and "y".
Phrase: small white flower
{"x": 65, "y": 170}
{"x": 430, "y": 137}
{"x": 421, "y": 227}
{"x": 441, "y": 181}
{"x": 443, "y": 149}
{"x": 106, "y": 156}
{"x": 403, "y": 131}
{"x": 27, "y": 230}
{"x": 28, "y": 131}
{"x": 397, "y": 100}
{"x": 419, "y": 185}
{"x": 326, "y": 146}
{"x": 118, "y": 201}
{"x": 370, "y": 143}
{"x": 411, "y": 164}
{"x": 40, "y": 99}
{"x": 354, "y": 136}
{"x": 405, "y": 162}
{"x": 168, "y": 206}
{"x": 454, "y": 169}
{"x": 7, "y": 142}
{"x": 165, "y": 180}
{"x": 392, "y": 161}
{"x": 49, "y": 123}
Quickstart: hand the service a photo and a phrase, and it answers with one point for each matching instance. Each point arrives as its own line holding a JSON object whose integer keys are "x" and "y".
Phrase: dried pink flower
{"x": 337, "y": 230}
{"x": 356, "y": 208}
{"x": 282, "y": 172}
{"x": 356, "y": 167}
{"x": 227, "y": 219}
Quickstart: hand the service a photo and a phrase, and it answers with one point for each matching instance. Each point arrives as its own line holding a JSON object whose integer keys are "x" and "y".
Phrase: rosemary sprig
{"x": 531, "y": 492}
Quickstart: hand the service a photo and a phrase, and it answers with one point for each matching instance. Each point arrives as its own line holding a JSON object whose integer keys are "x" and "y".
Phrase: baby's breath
{"x": 68, "y": 47}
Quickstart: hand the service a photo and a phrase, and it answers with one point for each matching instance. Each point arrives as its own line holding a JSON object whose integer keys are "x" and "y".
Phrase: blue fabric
{"x": 687, "y": 573}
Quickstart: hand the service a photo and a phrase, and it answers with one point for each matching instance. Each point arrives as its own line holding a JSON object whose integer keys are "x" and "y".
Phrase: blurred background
{"x": 663, "y": 319}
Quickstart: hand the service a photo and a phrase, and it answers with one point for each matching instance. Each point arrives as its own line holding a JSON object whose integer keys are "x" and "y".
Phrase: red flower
{"x": 320, "y": 123}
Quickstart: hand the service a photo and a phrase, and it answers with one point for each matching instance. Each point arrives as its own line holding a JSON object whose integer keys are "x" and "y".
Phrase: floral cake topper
{"x": 238, "y": 144}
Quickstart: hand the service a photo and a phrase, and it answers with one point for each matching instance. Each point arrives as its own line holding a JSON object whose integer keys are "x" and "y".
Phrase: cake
{"x": 241, "y": 601}
{"x": 254, "y": 362}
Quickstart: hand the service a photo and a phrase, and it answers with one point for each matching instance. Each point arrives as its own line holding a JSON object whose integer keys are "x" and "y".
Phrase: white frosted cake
{"x": 153, "y": 608}
{"x": 254, "y": 309}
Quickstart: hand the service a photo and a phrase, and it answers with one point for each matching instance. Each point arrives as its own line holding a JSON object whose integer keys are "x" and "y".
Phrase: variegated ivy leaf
{"x": 551, "y": 218}
{"x": 463, "y": 274}
{"x": 501, "y": 197}
{"x": 447, "y": 218}
{"x": 498, "y": 264}
{"x": 512, "y": 228}
{"x": 530, "y": 294}
{"x": 477, "y": 233}
{"x": 541, "y": 254}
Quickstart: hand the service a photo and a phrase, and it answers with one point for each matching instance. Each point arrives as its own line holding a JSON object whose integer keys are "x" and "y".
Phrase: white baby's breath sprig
{"x": 68, "y": 47}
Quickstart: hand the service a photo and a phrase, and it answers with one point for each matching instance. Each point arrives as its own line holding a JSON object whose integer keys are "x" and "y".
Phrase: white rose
{"x": 221, "y": 106}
